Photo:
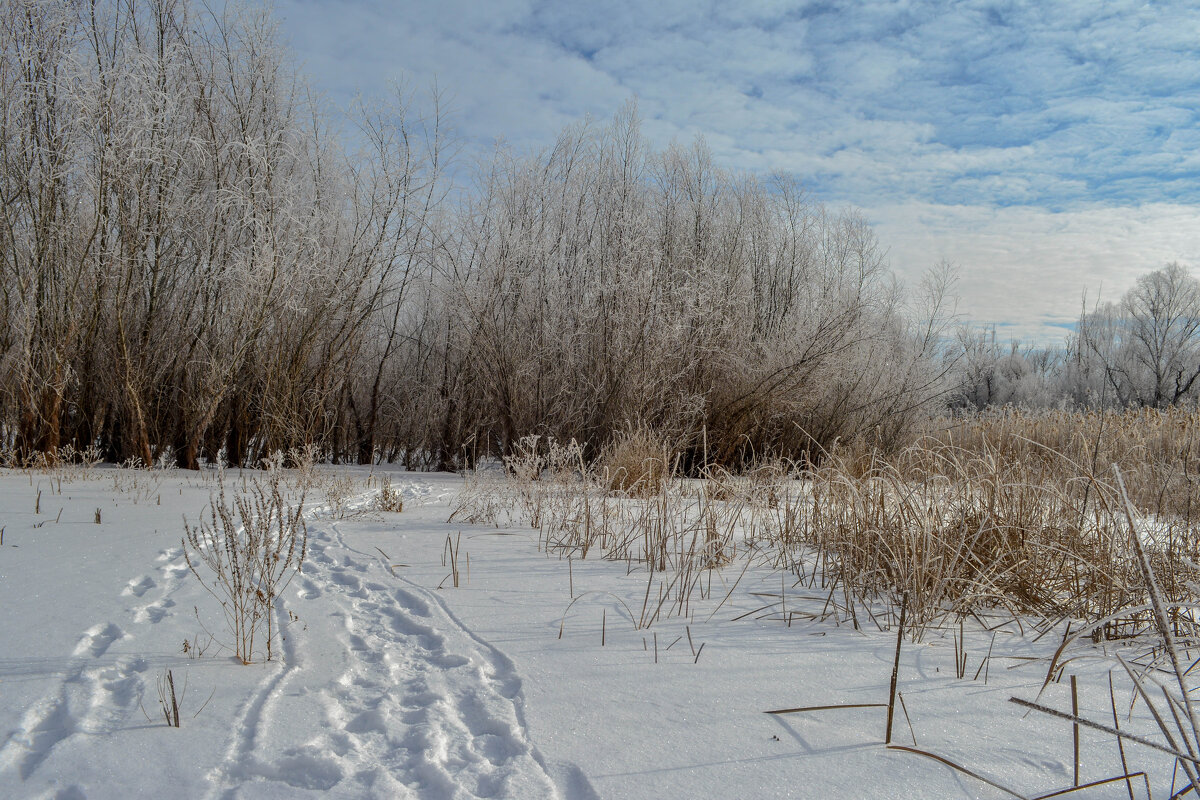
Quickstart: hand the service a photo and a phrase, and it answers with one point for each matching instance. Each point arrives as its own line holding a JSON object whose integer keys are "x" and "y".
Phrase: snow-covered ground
{"x": 529, "y": 679}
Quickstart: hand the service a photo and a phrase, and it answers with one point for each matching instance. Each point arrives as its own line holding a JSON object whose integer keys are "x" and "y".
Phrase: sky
{"x": 1049, "y": 150}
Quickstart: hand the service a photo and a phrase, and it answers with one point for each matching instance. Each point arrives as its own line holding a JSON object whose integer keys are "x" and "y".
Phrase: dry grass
{"x": 65, "y": 463}
{"x": 1007, "y": 511}
{"x": 389, "y": 498}
{"x": 959, "y": 532}
{"x": 1021, "y": 517}
{"x": 1158, "y": 452}
{"x": 637, "y": 463}
{"x": 677, "y": 530}
{"x": 486, "y": 499}
{"x": 1179, "y": 725}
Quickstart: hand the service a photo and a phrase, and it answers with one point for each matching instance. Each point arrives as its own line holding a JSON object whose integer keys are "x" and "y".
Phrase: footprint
{"x": 309, "y": 590}
{"x": 449, "y": 661}
{"x": 304, "y": 768}
{"x": 41, "y": 734}
{"x": 121, "y": 683}
{"x": 139, "y": 586}
{"x": 420, "y": 698}
{"x": 426, "y": 637}
{"x": 369, "y": 721}
{"x": 496, "y": 748}
{"x": 412, "y": 603}
{"x": 489, "y": 785}
{"x": 348, "y": 581}
{"x": 154, "y": 612}
{"x": 98, "y": 639}
{"x": 340, "y": 743}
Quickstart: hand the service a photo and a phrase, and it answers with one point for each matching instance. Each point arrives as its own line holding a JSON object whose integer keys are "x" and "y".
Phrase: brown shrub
{"x": 637, "y": 462}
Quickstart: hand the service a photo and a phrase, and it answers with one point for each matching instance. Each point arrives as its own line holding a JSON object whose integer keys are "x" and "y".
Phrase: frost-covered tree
{"x": 1144, "y": 350}
{"x": 193, "y": 264}
{"x": 599, "y": 284}
{"x": 987, "y": 374}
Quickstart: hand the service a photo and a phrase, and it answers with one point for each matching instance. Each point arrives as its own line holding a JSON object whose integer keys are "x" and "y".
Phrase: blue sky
{"x": 1045, "y": 148}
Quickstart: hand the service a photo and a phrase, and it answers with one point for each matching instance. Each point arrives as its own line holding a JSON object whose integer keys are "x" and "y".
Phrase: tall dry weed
{"x": 1006, "y": 511}
{"x": 251, "y": 548}
{"x": 1004, "y": 522}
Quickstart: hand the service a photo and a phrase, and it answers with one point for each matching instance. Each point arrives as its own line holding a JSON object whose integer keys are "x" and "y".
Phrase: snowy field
{"x": 532, "y": 678}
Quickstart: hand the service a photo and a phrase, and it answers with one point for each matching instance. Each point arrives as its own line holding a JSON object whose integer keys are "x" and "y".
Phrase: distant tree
{"x": 987, "y": 373}
{"x": 1146, "y": 349}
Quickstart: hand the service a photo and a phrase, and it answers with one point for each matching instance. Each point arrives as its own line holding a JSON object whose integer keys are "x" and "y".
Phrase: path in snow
{"x": 94, "y": 689}
{"x": 98, "y": 692}
{"x": 400, "y": 700}
{"x": 380, "y": 692}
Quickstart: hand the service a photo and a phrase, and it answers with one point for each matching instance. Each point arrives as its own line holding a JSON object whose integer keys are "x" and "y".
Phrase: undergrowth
{"x": 1005, "y": 512}
{"x": 1079, "y": 523}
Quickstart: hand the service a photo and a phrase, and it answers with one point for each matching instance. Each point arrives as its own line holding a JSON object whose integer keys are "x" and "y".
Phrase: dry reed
{"x": 1005, "y": 511}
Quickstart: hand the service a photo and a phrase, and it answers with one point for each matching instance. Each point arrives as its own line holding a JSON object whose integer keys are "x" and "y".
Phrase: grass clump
{"x": 389, "y": 498}
{"x": 636, "y": 463}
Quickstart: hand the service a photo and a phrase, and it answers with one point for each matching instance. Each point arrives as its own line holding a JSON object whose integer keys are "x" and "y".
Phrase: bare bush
{"x": 252, "y": 548}
{"x": 339, "y": 491}
{"x": 485, "y": 499}
{"x": 389, "y": 498}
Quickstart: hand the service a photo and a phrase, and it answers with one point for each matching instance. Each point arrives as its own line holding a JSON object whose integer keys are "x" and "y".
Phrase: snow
{"x": 531, "y": 679}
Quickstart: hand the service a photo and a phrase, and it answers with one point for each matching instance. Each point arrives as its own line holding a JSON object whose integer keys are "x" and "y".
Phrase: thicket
{"x": 198, "y": 262}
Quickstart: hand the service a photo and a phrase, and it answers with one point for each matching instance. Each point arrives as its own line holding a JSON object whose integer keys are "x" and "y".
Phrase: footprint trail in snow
{"x": 398, "y": 699}
{"x": 99, "y": 692}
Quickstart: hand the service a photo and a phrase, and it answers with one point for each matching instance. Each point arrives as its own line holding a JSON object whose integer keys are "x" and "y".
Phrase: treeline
{"x": 197, "y": 263}
{"x": 200, "y": 261}
{"x": 1142, "y": 351}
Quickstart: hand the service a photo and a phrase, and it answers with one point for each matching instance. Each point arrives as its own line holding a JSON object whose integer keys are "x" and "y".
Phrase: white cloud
{"x": 1045, "y": 147}
{"x": 922, "y": 90}
{"x": 1029, "y": 268}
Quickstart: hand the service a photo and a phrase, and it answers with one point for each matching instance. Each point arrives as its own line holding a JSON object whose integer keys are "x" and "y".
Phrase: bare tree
{"x": 194, "y": 266}
{"x": 1147, "y": 347}
{"x": 43, "y": 242}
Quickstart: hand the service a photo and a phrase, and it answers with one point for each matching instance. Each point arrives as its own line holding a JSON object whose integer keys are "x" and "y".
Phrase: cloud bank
{"x": 1038, "y": 140}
